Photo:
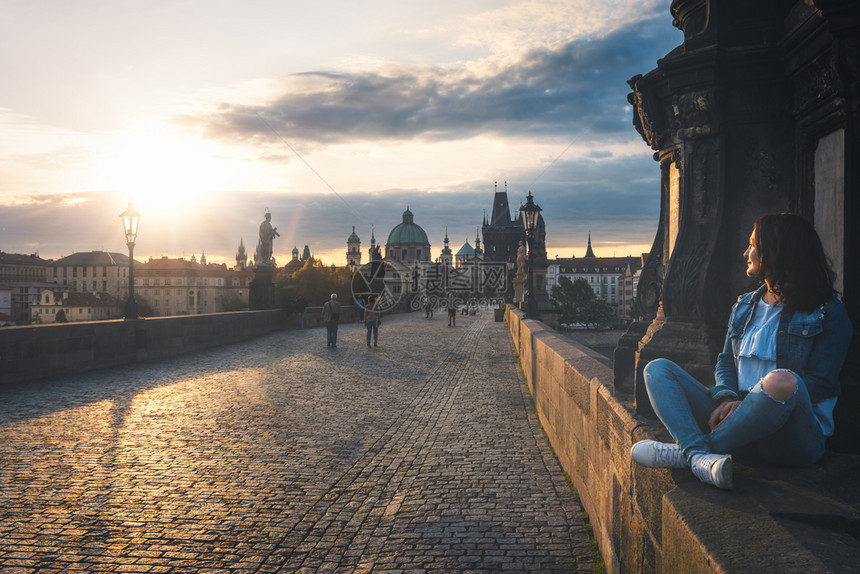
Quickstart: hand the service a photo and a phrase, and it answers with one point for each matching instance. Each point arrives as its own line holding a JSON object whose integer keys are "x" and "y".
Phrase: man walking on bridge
{"x": 331, "y": 315}
{"x": 372, "y": 320}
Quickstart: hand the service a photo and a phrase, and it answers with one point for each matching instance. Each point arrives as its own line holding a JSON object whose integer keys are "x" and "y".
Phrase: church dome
{"x": 353, "y": 238}
{"x": 407, "y": 232}
{"x": 466, "y": 249}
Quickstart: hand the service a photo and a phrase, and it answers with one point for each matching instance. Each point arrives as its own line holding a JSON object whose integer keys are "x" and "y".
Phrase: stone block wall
{"x": 39, "y": 351}
{"x": 661, "y": 520}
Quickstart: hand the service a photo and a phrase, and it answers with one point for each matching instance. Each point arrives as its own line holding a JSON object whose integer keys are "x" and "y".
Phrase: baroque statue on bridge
{"x": 266, "y": 244}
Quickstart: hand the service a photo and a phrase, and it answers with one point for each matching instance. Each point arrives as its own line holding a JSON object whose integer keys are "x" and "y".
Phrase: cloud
{"x": 551, "y": 91}
{"x": 615, "y": 199}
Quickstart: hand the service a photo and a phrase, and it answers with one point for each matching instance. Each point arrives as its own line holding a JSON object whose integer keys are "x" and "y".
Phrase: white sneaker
{"x": 713, "y": 469}
{"x": 658, "y": 454}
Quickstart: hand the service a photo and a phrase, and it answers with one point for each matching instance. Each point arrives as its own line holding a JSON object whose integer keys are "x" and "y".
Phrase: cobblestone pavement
{"x": 282, "y": 455}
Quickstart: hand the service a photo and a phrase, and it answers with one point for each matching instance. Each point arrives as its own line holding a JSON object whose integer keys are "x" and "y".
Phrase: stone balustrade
{"x": 39, "y": 351}
{"x": 661, "y": 520}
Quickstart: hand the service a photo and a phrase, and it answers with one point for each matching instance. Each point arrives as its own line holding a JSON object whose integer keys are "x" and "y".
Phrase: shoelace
{"x": 668, "y": 455}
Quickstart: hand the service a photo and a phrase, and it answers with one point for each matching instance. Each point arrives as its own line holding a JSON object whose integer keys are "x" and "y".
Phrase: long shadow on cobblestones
{"x": 280, "y": 455}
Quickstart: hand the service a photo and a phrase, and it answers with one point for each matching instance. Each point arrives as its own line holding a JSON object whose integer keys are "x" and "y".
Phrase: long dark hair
{"x": 793, "y": 262}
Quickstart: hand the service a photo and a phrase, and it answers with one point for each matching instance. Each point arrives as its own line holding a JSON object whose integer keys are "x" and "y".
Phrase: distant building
{"x": 25, "y": 276}
{"x": 91, "y": 272}
{"x": 465, "y": 255}
{"x": 447, "y": 256}
{"x": 613, "y": 279}
{"x": 353, "y": 249}
{"x": 407, "y": 243}
{"x": 6, "y": 306}
{"x": 293, "y": 265}
{"x": 181, "y": 287}
{"x": 241, "y": 255}
{"x": 75, "y": 306}
{"x": 503, "y": 236}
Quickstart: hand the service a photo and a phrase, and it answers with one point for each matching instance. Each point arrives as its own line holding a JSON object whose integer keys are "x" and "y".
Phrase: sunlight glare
{"x": 165, "y": 173}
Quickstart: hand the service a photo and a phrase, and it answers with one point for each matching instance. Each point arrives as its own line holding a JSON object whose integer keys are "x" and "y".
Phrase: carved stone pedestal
{"x": 262, "y": 293}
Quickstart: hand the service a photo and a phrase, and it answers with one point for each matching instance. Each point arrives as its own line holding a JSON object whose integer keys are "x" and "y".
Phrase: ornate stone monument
{"x": 756, "y": 112}
{"x": 520, "y": 277}
{"x": 262, "y": 291}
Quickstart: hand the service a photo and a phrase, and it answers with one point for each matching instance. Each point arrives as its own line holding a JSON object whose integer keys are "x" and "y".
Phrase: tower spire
{"x": 589, "y": 252}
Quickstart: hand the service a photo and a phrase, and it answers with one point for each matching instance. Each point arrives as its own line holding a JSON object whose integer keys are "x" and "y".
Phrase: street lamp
{"x": 530, "y": 212}
{"x": 130, "y": 219}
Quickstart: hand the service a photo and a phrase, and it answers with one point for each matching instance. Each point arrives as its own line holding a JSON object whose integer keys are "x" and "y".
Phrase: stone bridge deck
{"x": 282, "y": 455}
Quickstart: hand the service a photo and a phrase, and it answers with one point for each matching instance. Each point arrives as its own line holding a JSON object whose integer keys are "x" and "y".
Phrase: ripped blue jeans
{"x": 783, "y": 433}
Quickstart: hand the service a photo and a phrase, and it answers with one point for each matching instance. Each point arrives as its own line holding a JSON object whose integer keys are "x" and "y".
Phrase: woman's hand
{"x": 721, "y": 413}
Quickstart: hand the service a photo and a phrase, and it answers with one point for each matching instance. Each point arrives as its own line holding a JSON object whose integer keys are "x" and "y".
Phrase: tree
{"x": 232, "y": 302}
{"x": 144, "y": 309}
{"x": 570, "y": 298}
{"x": 314, "y": 283}
{"x": 598, "y": 313}
{"x": 577, "y": 303}
{"x": 61, "y": 317}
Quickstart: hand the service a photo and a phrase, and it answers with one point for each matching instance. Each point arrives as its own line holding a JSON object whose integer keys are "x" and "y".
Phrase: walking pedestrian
{"x": 428, "y": 307}
{"x": 452, "y": 312}
{"x": 372, "y": 320}
{"x": 330, "y": 316}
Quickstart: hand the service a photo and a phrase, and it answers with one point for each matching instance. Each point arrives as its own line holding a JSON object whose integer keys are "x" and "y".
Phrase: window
{"x": 167, "y": 291}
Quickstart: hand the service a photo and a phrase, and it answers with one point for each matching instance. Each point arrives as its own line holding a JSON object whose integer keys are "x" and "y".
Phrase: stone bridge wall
{"x": 37, "y": 351}
{"x": 660, "y": 520}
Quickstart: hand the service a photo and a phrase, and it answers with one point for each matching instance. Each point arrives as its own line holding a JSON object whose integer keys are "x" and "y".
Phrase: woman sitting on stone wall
{"x": 777, "y": 378}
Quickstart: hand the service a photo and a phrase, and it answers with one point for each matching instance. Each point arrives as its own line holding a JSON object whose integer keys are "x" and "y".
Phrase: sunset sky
{"x": 329, "y": 114}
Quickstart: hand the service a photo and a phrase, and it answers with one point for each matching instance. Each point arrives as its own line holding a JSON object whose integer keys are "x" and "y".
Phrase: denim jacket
{"x": 812, "y": 345}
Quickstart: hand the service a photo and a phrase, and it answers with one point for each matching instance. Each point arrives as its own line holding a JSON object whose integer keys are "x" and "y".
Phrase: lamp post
{"x": 530, "y": 212}
{"x": 130, "y": 219}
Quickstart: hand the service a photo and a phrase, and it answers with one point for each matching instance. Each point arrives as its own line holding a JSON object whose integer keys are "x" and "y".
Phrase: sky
{"x": 329, "y": 114}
